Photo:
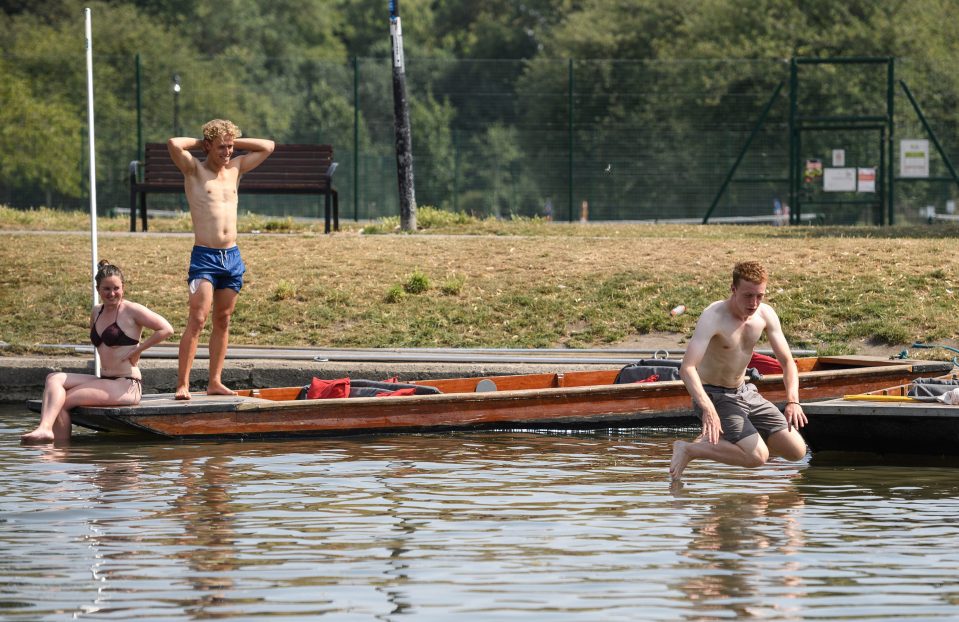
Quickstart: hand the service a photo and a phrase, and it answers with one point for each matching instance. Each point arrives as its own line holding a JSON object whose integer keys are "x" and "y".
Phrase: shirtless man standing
{"x": 216, "y": 268}
{"x": 740, "y": 427}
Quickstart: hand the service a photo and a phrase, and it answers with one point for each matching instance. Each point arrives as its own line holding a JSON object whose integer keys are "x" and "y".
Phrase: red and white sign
{"x": 867, "y": 180}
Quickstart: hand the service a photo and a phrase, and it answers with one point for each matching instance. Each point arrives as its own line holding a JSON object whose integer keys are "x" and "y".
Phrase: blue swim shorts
{"x": 221, "y": 266}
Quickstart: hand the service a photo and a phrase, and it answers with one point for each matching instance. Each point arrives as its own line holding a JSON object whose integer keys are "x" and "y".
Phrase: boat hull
{"x": 576, "y": 400}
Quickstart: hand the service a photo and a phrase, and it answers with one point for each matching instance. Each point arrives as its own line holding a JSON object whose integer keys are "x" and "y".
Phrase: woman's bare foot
{"x": 218, "y": 388}
{"x": 37, "y": 437}
{"x": 182, "y": 393}
{"x": 679, "y": 461}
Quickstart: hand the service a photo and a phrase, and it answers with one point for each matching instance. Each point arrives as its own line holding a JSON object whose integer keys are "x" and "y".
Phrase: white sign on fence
{"x": 914, "y": 158}
{"x": 839, "y": 180}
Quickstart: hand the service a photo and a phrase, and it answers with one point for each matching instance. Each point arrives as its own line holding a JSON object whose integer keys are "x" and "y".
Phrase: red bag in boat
{"x": 397, "y": 392}
{"x": 328, "y": 389}
{"x": 765, "y": 364}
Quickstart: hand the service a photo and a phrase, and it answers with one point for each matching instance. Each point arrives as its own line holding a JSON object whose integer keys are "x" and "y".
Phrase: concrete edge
{"x": 23, "y": 378}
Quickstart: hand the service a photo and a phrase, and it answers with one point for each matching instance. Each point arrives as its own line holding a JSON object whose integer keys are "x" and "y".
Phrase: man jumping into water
{"x": 740, "y": 427}
{"x": 216, "y": 268}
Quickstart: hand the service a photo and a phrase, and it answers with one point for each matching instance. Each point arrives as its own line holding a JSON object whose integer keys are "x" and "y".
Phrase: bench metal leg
{"x": 143, "y": 210}
{"x": 326, "y": 213}
{"x": 336, "y": 210}
{"x": 133, "y": 209}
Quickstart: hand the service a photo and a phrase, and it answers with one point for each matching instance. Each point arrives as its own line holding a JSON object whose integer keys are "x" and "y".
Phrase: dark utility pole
{"x": 401, "y": 125}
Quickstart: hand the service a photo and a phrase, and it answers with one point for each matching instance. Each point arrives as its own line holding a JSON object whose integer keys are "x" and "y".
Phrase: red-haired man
{"x": 740, "y": 427}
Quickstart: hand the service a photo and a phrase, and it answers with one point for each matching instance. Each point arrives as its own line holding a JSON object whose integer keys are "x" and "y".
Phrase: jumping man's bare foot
{"x": 182, "y": 393}
{"x": 37, "y": 437}
{"x": 218, "y": 388}
{"x": 679, "y": 461}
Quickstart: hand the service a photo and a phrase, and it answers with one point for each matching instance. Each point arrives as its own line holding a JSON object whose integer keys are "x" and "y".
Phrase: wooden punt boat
{"x": 573, "y": 400}
{"x": 884, "y": 421}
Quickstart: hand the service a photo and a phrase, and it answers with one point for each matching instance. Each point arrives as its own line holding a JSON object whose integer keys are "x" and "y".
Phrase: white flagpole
{"x": 93, "y": 170}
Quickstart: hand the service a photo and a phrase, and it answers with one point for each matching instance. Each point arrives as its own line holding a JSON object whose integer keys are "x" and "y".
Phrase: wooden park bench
{"x": 290, "y": 169}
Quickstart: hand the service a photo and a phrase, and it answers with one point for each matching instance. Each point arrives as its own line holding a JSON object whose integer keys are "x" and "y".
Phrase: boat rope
{"x": 955, "y": 359}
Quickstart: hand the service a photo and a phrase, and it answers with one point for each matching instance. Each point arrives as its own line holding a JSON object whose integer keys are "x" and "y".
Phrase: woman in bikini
{"x": 115, "y": 328}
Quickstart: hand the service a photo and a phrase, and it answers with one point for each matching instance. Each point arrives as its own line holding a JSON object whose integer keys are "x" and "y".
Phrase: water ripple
{"x": 486, "y": 526}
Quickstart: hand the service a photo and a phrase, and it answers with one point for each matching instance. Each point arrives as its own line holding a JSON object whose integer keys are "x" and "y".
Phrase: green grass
{"x": 509, "y": 283}
{"x": 416, "y": 283}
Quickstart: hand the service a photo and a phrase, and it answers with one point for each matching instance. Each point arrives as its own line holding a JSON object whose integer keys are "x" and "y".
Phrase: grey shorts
{"x": 744, "y": 412}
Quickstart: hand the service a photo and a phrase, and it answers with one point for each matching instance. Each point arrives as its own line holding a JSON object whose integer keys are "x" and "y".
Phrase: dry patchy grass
{"x": 567, "y": 286}
{"x": 534, "y": 292}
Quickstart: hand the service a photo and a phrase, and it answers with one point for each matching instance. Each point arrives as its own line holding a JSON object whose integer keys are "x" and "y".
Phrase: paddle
{"x": 864, "y": 397}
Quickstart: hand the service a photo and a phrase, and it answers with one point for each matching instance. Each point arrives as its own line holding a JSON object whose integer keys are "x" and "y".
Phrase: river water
{"x": 474, "y": 526}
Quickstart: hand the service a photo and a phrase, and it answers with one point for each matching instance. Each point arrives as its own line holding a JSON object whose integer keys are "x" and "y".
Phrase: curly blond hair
{"x": 220, "y": 127}
{"x": 751, "y": 271}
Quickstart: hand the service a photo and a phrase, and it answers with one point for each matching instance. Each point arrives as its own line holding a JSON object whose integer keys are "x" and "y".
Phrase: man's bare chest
{"x": 740, "y": 335}
{"x": 216, "y": 188}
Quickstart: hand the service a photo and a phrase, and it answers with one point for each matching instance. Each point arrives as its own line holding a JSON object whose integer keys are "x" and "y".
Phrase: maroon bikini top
{"x": 112, "y": 335}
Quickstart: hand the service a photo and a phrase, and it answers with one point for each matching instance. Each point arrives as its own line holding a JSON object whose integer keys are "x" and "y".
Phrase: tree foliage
{"x": 285, "y": 68}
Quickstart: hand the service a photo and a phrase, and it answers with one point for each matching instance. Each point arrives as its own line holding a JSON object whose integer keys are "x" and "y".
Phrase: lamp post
{"x": 176, "y": 104}
{"x": 176, "y": 119}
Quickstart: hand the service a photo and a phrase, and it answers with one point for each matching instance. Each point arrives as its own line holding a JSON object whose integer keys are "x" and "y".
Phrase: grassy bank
{"x": 469, "y": 283}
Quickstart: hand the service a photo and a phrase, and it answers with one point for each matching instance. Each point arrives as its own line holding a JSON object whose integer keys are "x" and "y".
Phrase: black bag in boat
{"x": 663, "y": 369}
{"x": 372, "y": 388}
{"x": 644, "y": 369}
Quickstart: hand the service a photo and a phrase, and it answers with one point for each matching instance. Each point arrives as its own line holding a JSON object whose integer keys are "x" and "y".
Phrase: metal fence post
{"x": 356, "y": 139}
{"x": 139, "y": 93}
{"x": 891, "y": 105}
{"x": 569, "y": 130}
{"x": 456, "y": 169}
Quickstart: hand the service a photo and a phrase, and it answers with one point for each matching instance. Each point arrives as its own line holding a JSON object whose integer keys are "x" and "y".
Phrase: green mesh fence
{"x": 626, "y": 140}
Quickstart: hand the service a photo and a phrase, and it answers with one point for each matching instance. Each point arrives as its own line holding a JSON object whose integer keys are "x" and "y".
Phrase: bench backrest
{"x": 289, "y": 165}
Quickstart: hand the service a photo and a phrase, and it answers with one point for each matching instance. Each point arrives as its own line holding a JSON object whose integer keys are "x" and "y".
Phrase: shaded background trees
{"x": 639, "y": 108}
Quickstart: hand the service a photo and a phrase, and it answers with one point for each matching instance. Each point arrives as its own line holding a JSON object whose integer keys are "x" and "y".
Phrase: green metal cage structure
{"x": 710, "y": 141}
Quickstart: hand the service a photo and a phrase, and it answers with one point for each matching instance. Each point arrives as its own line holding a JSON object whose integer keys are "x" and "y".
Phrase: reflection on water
{"x": 533, "y": 526}
{"x": 726, "y": 539}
